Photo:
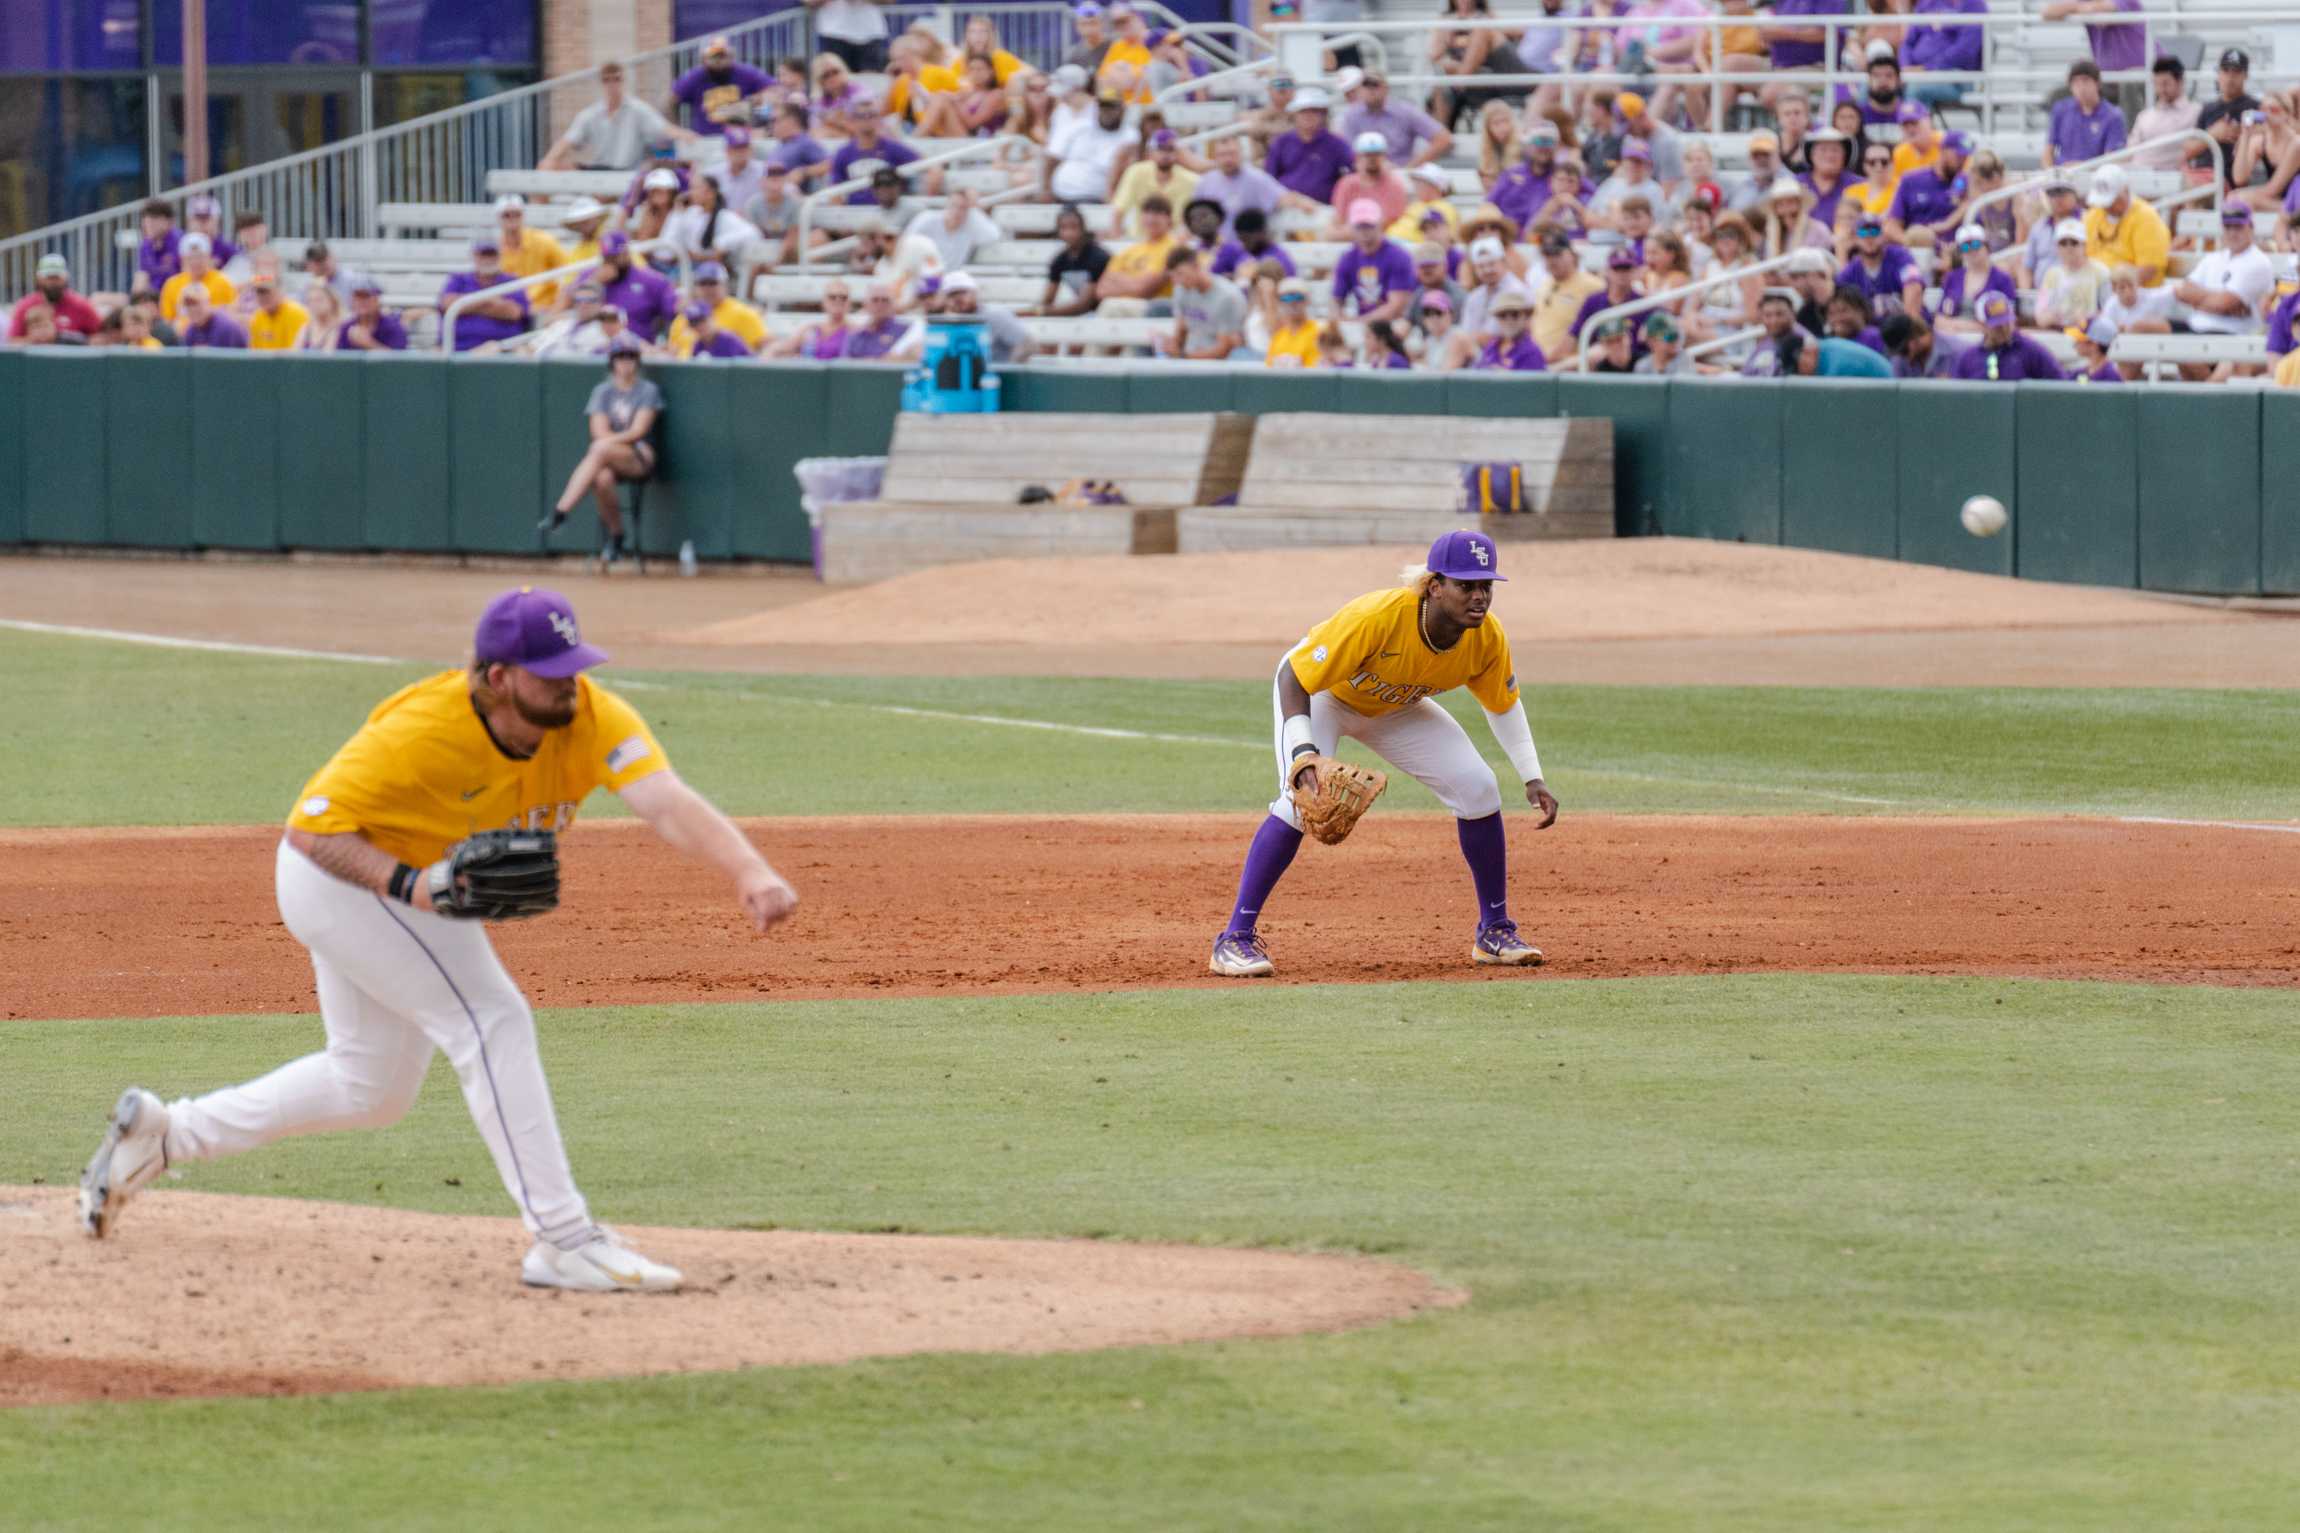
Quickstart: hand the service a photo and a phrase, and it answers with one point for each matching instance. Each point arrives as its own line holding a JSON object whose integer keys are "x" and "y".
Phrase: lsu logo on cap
{"x": 564, "y": 626}
{"x": 1484, "y": 559}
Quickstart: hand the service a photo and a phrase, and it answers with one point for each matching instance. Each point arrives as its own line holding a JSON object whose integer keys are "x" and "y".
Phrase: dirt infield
{"x": 993, "y": 905}
{"x": 202, "y": 1294}
{"x": 1650, "y": 610}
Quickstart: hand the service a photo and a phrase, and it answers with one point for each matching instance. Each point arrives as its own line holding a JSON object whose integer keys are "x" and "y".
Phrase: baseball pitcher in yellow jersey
{"x": 368, "y": 880}
{"x": 1372, "y": 672}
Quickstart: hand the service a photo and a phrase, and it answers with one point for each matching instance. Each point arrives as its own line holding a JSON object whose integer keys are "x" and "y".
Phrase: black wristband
{"x": 1308, "y": 748}
{"x": 403, "y": 883}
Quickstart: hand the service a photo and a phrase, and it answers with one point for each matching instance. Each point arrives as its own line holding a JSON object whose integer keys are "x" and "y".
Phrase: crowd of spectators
{"x": 1328, "y": 229}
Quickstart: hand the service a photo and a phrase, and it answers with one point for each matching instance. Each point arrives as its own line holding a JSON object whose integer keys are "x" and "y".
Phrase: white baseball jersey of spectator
{"x": 2249, "y": 276}
{"x": 956, "y": 247}
{"x": 1087, "y": 153}
{"x": 2065, "y": 297}
{"x": 910, "y": 259}
{"x": 693, "y": 231}
{"x": 2151, "y": 303}
{"x": 620, "y": 139}
{"x": 1477, "y": 309}
{"x": 1067, "y": 113}
{"x": 566, "y": 338}
{"x": 851, "y": 21}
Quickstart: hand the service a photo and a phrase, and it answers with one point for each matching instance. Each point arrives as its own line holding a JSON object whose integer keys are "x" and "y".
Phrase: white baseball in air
{"x": 1984, "y": 516}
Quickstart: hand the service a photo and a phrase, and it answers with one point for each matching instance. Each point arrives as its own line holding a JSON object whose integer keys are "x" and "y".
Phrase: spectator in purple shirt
{"x": 156, "y": 256}
{"x": 1512, "y": 350}
{"x": 2281, "y": 319}
{"x": 1926, "y": 202}
{"x": 1883, "y": 102}
{"x": 2092, "y": 342}
{"x": 370, "y": 328}
{"x": 1415, "y": 137}
{"x": 1250, "y": 242}
{"x": 2115, "y": 44}
{"x": 1928, "y": 48}
{"x": 490, "y": 319}
{"x": 1883, "y": 272}
{"x": 794, "y": 149}
{"x": 2083, "y": 125}
{"x": 2004, "y": 355}
{"x": 710, "y": 340}
{"x": 1522, "y": 190}
{"x": 1237, "y": 186}
{"x": 1375, "y": 277}
{"x": 1916, "y": 350}
{"x": 1848, "y": 319}
{"x": 881, "y": 330}
{"x": 718, "y": 91}
{"x": 868, "y": 143}
{"x": 645, "y": 296}
{"x": 198, "y": 323}
{"x": 1973, "y": 275}
{"x": 1311, "y": 160}
{"x": 1621, "y": 269}
{"x": 1801, "y": 47}
{"x": 204, "y": 215}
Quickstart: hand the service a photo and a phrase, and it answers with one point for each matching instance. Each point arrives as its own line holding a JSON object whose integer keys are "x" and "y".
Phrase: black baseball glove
{"x": 497, "y": 875}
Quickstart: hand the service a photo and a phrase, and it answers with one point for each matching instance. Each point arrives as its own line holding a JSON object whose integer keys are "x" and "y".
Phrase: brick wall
{"x": 580, "y": 33}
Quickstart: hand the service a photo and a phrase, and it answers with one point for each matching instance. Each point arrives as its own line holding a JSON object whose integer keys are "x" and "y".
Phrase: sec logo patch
{"x": 1319, "y": 654}
{"x": 315, "y": 805}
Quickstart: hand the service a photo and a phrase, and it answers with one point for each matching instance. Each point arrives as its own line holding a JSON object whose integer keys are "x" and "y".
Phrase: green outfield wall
{"x": 2169, "y": 489}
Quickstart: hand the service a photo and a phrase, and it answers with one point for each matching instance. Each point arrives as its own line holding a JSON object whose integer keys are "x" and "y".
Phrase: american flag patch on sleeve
{"x": 629, "y": 753}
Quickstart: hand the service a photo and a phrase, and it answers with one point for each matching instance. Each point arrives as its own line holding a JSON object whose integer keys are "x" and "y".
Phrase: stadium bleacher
{"x": 416, "y": 246}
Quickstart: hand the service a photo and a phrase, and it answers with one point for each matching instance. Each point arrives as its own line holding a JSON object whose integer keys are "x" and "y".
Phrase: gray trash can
{"x": 828, "y": 481}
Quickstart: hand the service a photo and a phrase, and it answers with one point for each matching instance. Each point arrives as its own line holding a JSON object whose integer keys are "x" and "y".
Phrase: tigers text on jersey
{"x": 1372, "y": 657}
{"x": 423, "y": 772}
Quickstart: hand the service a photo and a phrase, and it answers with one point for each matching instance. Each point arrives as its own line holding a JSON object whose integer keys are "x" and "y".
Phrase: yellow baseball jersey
{"x": 276, "y": 329}
{"x": 1372, "y": 657}
{"x": 734, "y": 316}
{"x": 424, "y": 772}
{"x": 537, "y": 252}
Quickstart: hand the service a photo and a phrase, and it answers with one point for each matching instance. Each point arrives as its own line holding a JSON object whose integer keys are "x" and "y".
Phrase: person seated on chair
{"x": 622, "y": 411}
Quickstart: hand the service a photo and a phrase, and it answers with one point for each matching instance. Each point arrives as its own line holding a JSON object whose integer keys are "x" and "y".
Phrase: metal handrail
{"x": 1268, "y": 66}
{"x": 2218, "y": 188}
{"x": 1663, "y": 300}
{"x": 569, "y": 274}
{"x": 980, "y": 148}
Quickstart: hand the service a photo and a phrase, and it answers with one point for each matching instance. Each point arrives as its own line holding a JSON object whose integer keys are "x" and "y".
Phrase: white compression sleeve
{"x": 1295, "y": 733}
{"x": 1515, "y": 736}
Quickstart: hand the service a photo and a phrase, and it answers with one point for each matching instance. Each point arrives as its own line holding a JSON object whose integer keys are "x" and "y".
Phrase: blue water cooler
{"x": 953, "y": 376}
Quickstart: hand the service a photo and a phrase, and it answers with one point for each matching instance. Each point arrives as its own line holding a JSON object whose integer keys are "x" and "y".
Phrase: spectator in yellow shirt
{"x": 1158, "y": 176}
{"x": 2288, "y": 372}
{"x": 1137, "y": 274}
{"x": 1295, "y": 342}
{"x": 528, "y": 251}
{"x": 278, "y": 319}
{"x": 199, "y": 258}
{"x": 925, "y": 85}
{"x": 1125, "y": 68}
{"x": 980, "y": 40}
{"x": 585, "y": 220}
{"x": 729, "y": 313}
{"x": 2121, "y": 229}
{"x": 1430, "y": 184}
{"x": 1920, "y": 145}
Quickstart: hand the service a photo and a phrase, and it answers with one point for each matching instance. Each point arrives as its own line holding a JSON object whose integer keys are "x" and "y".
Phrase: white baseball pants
{"x": 1421, "y": 740}
{"x": 395, "y": 983}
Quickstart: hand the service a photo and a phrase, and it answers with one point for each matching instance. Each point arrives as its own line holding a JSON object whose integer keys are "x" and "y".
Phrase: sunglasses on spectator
{"x": 1878, "y": 159}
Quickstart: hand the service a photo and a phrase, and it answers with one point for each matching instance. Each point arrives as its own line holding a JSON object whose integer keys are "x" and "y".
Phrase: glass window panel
{"x": 453, "y": 31}
{"x": 40, "y": 35}
{"x": 263, "y": 32}
{"x": 700, "y": 18}
{"x": 69, "y": 147}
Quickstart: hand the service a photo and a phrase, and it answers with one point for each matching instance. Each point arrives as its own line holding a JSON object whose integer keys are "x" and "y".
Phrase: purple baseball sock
{"x": 1266, "y": 862}
{"x": 1486, "y": 851}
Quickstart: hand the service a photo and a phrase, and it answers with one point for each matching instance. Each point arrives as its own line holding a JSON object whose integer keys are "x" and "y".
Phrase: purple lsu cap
{"x": 2235, "y": 213}
{"x": 1959, "y": 142}
{"x": 1911, "y": 111}
{"x": 1994, "y": 308}
{"x": 535, "y": 630}
{"x": 614, "y": 242}
{"x": 1465, "y": 555}
{"x": 1164, "y": 138}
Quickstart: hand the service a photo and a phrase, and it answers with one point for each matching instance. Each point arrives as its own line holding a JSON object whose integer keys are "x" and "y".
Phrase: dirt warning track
{"x": 182, "y": 922}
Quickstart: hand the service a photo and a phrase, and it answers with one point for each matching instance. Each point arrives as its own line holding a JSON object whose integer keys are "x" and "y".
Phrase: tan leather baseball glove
{"x": 1331, "y": 796}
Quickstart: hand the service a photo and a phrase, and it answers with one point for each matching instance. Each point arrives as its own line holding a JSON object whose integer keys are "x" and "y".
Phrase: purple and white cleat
{"x": 1240, "y": 955}
{"x": 1498, "y": 942}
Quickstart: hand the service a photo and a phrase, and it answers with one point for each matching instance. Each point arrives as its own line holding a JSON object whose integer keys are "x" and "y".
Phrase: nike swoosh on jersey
{"x": 474, "y": 793}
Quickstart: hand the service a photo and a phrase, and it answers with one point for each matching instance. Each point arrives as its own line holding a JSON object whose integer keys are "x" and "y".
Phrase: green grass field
{"x": 148, "y": 736}
{"x": 1745, "y": 1253}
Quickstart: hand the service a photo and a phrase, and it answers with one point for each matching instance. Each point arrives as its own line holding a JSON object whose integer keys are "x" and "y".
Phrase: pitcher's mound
{"x": 200, "y": 1294}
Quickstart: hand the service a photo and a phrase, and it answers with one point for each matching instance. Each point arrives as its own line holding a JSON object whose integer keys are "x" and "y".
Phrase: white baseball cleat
{"x": 603, "y": 1264}
{"x": 134, "y": 1151}
{"x": 1498, "y": 942}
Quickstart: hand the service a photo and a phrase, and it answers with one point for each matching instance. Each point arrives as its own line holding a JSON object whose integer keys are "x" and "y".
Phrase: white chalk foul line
{"x": 215, "y": 646}
{"x": 2270, "y": 826}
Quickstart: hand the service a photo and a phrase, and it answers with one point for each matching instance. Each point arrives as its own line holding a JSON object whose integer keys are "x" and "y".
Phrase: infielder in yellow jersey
{"x": 374, "y": 878}
{"x": 1371, "y": 672}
